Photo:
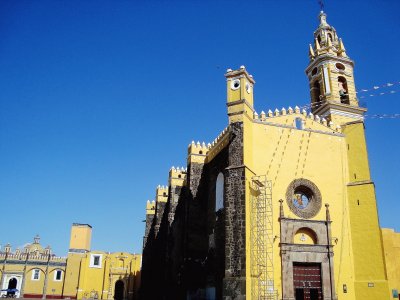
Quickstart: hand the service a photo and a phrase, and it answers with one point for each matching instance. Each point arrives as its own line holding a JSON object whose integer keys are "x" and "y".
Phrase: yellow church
{"x": 281, "y": 205}
{"x": 35, "y": 272}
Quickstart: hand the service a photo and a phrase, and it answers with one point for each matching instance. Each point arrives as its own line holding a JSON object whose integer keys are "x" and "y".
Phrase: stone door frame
{"x": 321, "y": 253}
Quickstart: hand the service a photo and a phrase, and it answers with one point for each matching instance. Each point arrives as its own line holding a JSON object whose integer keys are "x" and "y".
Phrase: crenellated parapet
{"x": 150, "y": 207}
{"x": 177, "y": 181}
{"x": 177, "y": 176}
{"x": 150, "y": 213}
{"x": 32, "y": 258}
{"x": 161, "y": 193}
{"x": 197, "y": 152}
{"x": 296, "y": 114}
{"x": 218, "y": 144}
{"x": 161, "y": 204}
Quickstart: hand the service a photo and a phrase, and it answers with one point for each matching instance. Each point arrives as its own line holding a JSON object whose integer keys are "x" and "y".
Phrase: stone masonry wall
{"x": 235, "y": 226}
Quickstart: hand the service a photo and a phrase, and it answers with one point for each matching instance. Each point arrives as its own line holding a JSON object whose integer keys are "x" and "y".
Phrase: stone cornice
{"x": 328, "y": 58}
{"x": 336, "y": 107}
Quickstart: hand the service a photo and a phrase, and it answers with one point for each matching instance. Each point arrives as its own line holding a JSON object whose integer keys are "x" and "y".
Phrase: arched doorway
{"x": 119, "y": 290}
{"x": 12, "y": 285}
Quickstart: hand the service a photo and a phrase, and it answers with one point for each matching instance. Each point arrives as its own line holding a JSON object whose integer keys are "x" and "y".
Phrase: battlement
{"x": 177, "y": 176}
{"x": 162, "y": 193}
{"x": 266, "y": 117}
{"x": 175, "y": 172}
{"x": 150, "y": 207}
{"x": 197, "y": 148}
{"x": 218, "y": 144}
{"x": 197, "y": 152}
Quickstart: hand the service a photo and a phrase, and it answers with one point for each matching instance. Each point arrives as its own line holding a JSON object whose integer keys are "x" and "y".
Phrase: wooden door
{"x": 307, "y": 281}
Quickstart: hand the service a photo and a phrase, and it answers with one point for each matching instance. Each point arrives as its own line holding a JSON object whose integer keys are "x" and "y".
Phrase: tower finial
{"x": 36, "y": 239}
{"x": 322, "y": 19}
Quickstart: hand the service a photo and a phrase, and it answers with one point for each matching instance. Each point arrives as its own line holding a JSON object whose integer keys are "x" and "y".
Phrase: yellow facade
{"x": 391, "y": 246}
{"x": 329, "y": 150}
{"x": 34, "y": 272}
{"x": 306, "y": 172}
{"x": 115, "y": 275}
{"x": 321, "y": 154}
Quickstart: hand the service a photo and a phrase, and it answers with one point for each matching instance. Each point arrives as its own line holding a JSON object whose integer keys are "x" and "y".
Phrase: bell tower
{"x": 333, "y": 96}
{"x": 331, "y": 76}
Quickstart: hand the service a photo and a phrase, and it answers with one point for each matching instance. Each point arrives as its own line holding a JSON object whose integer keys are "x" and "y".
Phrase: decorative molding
{"x": 35, "y": 263}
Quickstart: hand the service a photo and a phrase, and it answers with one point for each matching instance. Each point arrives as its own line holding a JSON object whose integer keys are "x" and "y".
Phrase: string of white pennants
{"x": 375, "y": 88}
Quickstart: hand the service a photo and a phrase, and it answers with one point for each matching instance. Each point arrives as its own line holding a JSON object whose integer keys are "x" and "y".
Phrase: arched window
{"x": 298, "y": 122}
{"x": 314, "y": 71}
{"x": 219, "y": 192}
{"x": 121, "y": 263}
{"x": 343, "y": 91}
{"x": 316, "y": 97}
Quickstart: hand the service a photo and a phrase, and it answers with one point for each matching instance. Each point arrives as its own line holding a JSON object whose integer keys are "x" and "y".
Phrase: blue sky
{"x": 98, "y": 99}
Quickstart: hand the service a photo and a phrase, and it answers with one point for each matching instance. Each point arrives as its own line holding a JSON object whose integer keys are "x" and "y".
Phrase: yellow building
{"x": 109, "y": 275}
{"x": 281, "y": 205}
{"x": 32, "y": 271}
{"x": 35, "y": 272}
{"x": 391, "y": 246}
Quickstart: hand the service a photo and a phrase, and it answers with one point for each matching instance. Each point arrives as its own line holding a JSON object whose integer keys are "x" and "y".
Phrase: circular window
{"x": 314, "y": 71}
{"x": 303, "y": 198}
{"x": 300, "y": 200}
{"x": 340, "y": 67}
{"x": 235, "y": 84}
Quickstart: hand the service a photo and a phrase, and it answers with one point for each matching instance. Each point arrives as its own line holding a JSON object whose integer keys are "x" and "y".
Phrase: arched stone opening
{"x": 343, "y": 90}
{"x": 119, "y": 290}
{"x": 219, "y": 192}
{"x": 316, "y": 95}
{"x": 305, "y": 236}
{"x": 12, "y": 285}
{"x": 307, "y": 259}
